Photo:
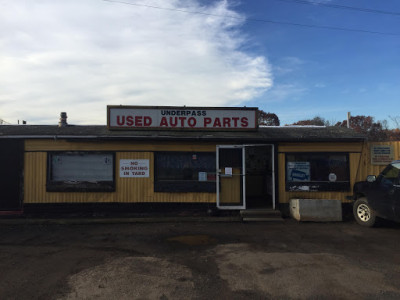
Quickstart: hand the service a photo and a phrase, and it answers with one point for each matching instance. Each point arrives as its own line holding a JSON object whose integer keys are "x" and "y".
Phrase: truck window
{"x": 391, "y": 174}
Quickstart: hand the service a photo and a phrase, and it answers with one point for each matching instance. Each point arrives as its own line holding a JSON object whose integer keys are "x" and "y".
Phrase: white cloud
{"x": 79, "y": 56}
{"x": 282, "y": 92}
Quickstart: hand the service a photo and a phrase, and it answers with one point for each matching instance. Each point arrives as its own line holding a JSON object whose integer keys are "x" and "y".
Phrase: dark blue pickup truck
{"x": 378, "y": 197}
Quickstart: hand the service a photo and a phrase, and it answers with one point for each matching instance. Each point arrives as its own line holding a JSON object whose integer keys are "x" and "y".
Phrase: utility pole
{"x": 348, "y": 119}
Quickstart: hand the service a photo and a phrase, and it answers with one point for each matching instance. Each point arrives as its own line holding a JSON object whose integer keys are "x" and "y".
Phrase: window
{"x": 317, "y": 172}
{"x": 390, "y": 175}
{"x": 80, "y": 172}
{"x": 184, "y": 172}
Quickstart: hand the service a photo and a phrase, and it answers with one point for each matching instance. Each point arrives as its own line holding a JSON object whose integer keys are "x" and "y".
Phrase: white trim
{"x": 244, "y": 173}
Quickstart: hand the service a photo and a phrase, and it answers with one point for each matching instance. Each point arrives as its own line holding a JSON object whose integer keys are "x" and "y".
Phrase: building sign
{"x": 202, "y": 176}
{"x": 381, "y": 154}
{"x": 332, "y": 177}
{"x": 168, "y": 117}
{"x": 298, "y": 171}
{"x": 134, "y": 168}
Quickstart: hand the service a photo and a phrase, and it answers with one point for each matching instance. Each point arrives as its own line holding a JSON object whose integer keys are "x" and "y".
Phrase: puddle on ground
{"x": 193, "y": 240}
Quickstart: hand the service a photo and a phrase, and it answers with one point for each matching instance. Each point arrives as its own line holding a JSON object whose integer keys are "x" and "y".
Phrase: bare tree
{"x": 395, "y": 120}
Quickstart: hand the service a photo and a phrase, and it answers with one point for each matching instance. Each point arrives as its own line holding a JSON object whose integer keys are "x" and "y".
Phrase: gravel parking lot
{"x": 200, "y": 260}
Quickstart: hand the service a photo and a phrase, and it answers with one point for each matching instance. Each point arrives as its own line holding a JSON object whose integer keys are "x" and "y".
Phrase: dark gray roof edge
{"x": 101, "y": 132}
{"x": 183, "y": 138}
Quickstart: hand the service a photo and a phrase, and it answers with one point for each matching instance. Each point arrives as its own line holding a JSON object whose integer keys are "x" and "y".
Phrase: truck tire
{"x": 363, "y": 213}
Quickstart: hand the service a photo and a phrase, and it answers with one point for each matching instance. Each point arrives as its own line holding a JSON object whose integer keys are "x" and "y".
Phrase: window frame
{"x": 79, "y": 186}
{"x": 318, "y": 186}
{"x": 183, "y": 186}
{"x": 385, "y": 179}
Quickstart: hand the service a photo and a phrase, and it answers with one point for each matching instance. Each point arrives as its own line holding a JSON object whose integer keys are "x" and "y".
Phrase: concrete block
{"x": 317, "y": 210}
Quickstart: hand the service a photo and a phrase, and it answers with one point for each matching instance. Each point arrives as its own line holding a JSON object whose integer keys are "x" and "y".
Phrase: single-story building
{"x": 217, "y": 157}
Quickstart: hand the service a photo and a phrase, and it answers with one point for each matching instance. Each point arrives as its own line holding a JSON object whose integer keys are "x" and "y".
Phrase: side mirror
{"x": 371, "y": 178}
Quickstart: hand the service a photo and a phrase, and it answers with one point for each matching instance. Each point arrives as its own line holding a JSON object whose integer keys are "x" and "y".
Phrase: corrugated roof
{"x": 263, "y": 134}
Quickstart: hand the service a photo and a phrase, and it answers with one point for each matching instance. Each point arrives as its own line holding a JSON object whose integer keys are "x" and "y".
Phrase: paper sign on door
{"x": 228, "y": 171}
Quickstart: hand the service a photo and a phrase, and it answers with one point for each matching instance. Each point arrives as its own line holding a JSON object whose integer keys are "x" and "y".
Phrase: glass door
{"x": 231, "y": 177}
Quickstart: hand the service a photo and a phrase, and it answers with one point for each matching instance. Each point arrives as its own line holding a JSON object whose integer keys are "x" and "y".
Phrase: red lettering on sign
{"x": 163, "y": 122}
{"x": 120, "y": 120}
{"x": 226, "y": 122}
{"x": 182, "y": 119}
{"x": 217, "y": 122}
{"x": 147, "y": 121}
{"x": 139, "y": 121}
{"x": 192, "y": 122}
{"x": 173, "y": 121}
{"x": 129, "y": 120}
{"x": 235, "y": 121}
{"x": 134, "y": 121}
{"x": 207, "y": 121}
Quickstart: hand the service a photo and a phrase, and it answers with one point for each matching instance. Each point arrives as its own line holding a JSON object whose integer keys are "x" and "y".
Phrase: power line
{"x": 258, "y": 20}
{"x": 361, "y": 9}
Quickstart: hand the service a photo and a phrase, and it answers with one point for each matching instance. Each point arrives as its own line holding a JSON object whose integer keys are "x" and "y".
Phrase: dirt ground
{"x": 197, "y": 260}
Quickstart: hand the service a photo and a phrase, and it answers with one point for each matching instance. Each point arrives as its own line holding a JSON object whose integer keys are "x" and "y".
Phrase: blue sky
{"x": 328, "y": 72}
{"x": 80, "y": 56}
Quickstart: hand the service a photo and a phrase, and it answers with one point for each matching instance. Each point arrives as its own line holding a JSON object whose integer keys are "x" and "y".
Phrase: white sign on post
{"x": 134, "y": 168}
{"x": 382, "y": 154}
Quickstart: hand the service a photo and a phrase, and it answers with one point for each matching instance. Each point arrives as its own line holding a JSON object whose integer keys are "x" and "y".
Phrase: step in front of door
{"x": 261, "y": 215}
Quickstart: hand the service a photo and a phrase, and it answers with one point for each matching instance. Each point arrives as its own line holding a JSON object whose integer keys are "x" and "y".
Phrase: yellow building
{"x": 176, "y": 156}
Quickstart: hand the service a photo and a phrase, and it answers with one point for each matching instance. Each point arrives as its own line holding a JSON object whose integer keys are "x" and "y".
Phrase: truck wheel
{"x": 363, "y": 213}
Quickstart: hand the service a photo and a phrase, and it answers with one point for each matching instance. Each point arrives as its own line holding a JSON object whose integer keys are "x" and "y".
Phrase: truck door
{"x": 384, "y": 195}
{"x": 396, "y": 193}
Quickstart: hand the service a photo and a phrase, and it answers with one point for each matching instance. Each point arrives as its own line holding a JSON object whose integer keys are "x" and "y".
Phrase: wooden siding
{"x": 354, "y": 149}
{"x": 360, "y": 166}
{"x": 366, "y": 168}
{"x": 231, "y": 188}
{"x": 128, "y": 190}
{"x": 141, "y": 189}
{"x": 320, "y": 147}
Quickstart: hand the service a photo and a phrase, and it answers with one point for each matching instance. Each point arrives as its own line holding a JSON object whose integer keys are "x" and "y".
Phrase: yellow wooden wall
{"x": 141, "y": 189}
{"x": 230, "y": 188}
{"x": 128, "y": 190}
{"x": 354, "y": 149}
{"x": 366, "y": 168}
